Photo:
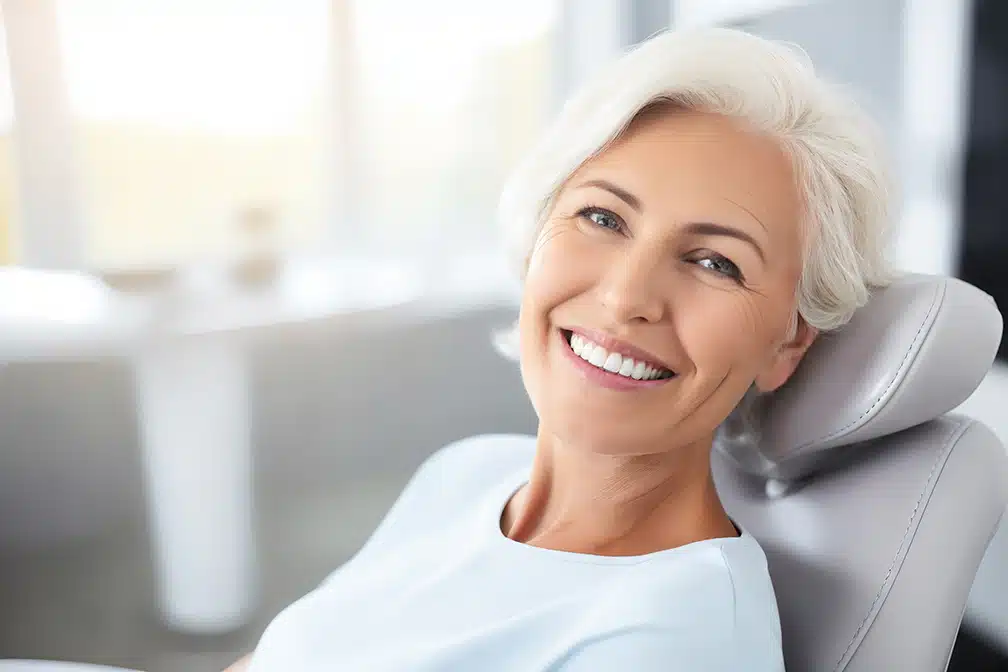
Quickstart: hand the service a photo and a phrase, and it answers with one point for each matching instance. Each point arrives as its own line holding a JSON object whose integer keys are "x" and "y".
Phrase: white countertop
{"x": 66, "y": 314}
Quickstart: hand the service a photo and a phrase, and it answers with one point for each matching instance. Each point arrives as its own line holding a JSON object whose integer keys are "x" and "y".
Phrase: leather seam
{"x": 927, "y": 322}
{"x": 954, "y": 433}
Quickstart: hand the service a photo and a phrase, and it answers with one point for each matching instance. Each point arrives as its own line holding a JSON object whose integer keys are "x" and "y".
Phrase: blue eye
{"x": 721, "y": 265}
{"x": 602, "y": 218}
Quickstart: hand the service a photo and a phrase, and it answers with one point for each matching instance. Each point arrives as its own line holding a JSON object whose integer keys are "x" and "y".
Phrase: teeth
{"x": 613, "y": 362}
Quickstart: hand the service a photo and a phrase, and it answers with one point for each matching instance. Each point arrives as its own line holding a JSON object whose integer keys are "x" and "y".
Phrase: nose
{"x": 631, "y": 287}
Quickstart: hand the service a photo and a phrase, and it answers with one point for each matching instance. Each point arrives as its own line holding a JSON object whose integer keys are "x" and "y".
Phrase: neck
{"x": 586, "y": 502}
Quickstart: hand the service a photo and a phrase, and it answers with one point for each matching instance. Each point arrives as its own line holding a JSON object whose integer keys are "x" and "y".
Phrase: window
{"x": 8, "y": 192}
{"x": 196, "y": 118}
{"x": 357, "y": 126}
{"x": 449, "y": 95}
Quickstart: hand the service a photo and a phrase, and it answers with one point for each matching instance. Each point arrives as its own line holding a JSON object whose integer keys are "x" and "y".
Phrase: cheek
{"x": 721, "y": 330}
{"x": 559, "y": 269}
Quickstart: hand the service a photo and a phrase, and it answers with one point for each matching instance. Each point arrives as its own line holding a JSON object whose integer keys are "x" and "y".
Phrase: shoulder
{"x": 684, "y": 588}
{"x": 456, "y": 476}
{"x": 713, "y": 600}
{"x": 483, "y": 459}
{"x": 657, "y": 649}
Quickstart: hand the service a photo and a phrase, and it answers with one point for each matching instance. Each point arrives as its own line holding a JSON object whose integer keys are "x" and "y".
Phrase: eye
{"x": 721, "y": 265}
{"x": 602, "y": 218}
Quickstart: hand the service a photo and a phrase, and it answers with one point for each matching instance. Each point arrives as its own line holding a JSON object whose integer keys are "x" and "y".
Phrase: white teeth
{"x": 613, "y": 362}
{"x": 577, "y": 344}
{"x": 627, "y": 368}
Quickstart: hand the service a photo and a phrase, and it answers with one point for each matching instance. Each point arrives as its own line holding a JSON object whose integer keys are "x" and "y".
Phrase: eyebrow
{"x": 618, "y": 192}
{"x": 712, "y": 229}
{"x": 695, "y": 228}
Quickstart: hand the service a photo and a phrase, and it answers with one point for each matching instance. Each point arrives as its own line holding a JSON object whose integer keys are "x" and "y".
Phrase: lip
{"x": 615, "y": 345}
{"x": 612, "y": 381}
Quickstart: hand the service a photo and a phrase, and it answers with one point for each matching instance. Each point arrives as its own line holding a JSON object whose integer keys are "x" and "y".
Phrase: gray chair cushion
{"x": 873, "y": 561}
{"x": 917, "y": 350}
{"x": 874, "y": 508}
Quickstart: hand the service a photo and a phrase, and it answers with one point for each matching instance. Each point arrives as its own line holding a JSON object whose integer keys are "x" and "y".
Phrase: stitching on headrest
{"x": 939, "y": 295}
{"x": 955, "y": 433}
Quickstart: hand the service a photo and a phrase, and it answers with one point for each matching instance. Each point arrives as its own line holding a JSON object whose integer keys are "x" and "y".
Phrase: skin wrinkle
{"x": 703, "y": 227}
{"x": 751, "y": 213}
{"x": 628, "y": 472}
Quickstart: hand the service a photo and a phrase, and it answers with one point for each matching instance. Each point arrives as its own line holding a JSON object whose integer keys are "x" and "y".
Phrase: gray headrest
{"x": 917, "y": 350}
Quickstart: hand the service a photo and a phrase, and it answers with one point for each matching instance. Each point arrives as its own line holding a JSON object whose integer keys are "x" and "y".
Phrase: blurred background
{"x": 250, "y": 274}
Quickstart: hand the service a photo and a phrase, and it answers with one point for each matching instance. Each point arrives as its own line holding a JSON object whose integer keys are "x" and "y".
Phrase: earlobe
{"x": 787, "y": 358}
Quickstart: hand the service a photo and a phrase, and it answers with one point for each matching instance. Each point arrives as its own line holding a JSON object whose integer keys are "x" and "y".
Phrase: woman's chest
{"x": 426, "y": 611}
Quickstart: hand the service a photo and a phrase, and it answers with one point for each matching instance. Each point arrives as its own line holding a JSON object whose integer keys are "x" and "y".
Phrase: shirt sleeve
{"x": 655, "y": 650}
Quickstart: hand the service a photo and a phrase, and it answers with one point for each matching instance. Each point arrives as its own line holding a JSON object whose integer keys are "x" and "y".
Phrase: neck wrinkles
{"x": 586, "y": 502}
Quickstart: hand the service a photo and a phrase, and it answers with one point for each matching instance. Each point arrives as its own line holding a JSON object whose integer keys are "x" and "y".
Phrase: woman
{"x": 699, "y": 213}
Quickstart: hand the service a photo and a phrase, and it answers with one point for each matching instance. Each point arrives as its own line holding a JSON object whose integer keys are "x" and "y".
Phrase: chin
{"x": 603, "y": 436}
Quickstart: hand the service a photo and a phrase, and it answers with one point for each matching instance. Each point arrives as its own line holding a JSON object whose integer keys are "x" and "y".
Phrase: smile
{"x": 609, "y": 366}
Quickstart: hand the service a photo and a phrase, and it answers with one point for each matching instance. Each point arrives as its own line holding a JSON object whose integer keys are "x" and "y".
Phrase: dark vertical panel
{"x": 984, "y": 258}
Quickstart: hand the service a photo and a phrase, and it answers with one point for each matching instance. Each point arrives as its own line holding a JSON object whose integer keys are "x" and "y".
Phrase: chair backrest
{"x": 873, "y": 504}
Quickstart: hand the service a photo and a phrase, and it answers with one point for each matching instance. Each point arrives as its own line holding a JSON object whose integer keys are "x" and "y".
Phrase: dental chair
{"x": 873, "y": 504}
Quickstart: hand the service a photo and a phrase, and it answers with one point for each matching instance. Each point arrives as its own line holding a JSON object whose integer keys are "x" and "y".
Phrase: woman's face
{"x": 670, "y": 261}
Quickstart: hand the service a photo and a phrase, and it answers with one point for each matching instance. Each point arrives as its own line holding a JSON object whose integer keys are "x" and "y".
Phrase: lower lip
{"x": 613, "y": 381}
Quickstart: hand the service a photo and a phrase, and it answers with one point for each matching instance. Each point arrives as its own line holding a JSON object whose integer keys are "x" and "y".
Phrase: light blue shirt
{"x": 439, "y": 587}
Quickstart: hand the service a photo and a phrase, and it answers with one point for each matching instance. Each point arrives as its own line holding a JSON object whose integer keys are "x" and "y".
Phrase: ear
{"x": 784, "y": 362}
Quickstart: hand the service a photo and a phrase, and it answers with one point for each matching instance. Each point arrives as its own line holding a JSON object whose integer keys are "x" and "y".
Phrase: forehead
{"x": 683, "y": 159}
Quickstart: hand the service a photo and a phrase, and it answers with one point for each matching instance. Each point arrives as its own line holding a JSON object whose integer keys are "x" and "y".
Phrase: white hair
{"x": 769, "y": 86}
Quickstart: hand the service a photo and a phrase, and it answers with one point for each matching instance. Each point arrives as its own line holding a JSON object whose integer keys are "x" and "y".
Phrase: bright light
{"x": 430, "y": 51}
{"x": 222, "y": 66}
{"x": 258, "y": 66}
{"x": 6, "y": 99}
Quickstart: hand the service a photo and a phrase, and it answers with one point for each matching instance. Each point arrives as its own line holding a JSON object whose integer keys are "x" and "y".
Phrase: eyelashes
{"x": 722, "y": 265}
{"x": 607, "y": 220}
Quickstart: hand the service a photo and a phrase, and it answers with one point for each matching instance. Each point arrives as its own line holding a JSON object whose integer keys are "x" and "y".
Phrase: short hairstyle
{"x": 772, "y": 88}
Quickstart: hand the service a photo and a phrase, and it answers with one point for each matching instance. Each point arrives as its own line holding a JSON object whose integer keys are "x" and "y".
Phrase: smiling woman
{"x": 683, "y": 238}
{"x": 694, "y": 219}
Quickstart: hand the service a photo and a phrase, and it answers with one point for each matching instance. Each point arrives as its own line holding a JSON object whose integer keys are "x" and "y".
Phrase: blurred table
{"x": 187, "y": 335}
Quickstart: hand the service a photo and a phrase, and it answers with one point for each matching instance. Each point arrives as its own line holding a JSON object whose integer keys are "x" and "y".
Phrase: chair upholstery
{"x": 874, "y": 504}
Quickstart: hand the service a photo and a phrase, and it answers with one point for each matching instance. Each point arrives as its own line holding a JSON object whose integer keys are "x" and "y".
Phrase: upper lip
{"x": 613, "y": 344}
